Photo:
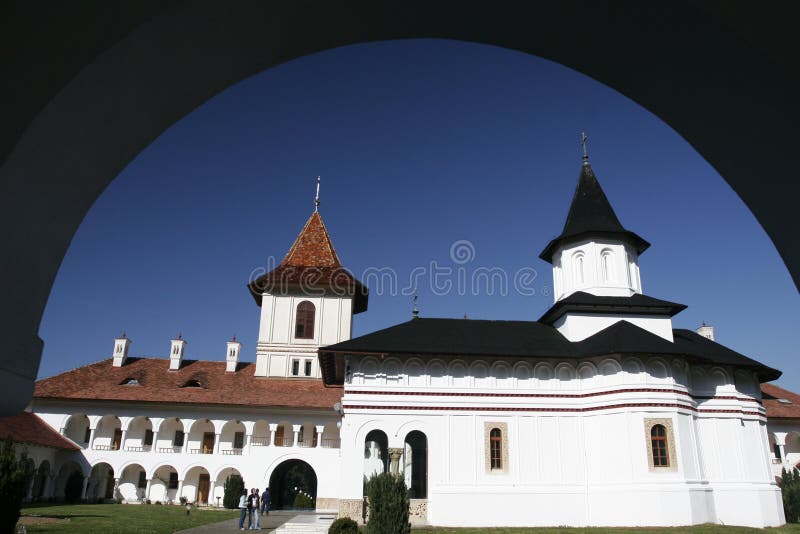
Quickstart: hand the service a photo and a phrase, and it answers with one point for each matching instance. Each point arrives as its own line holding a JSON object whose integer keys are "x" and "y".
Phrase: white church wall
{"x": 598, "y": 267}
{"x": 577, "y": 439}
{"x": 578, "y": 326}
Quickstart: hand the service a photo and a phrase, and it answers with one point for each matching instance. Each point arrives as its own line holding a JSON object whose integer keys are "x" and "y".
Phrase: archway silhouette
{"x": 287, "y": 480}
{"x": 725, "y": 81}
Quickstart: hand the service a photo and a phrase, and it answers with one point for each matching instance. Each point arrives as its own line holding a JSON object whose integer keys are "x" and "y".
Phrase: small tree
{"x": 343, "y": 525}
{"x": 13, "y": 478}
{"x": 74, "y": 487}
{"x": 234, "y": 485}
{"x": 388, "y": 505}
{"x": 790, "y": 490}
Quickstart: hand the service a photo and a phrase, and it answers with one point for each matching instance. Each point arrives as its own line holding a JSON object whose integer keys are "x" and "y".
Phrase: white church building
{"x": 599, "y": 413}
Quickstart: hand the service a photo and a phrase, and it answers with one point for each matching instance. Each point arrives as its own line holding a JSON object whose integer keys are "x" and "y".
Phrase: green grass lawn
{"x": 117, "y": 518}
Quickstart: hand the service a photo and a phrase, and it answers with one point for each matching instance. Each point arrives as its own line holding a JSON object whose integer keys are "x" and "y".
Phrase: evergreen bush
{"x": 13, "y": 483}
{"x": 73, "y": 487}
{"x": 302, "y": 501}
{"x": 343, "y": 525}
{"x": 790, "y": 490}
{"x": 388, "y": 505}
{"x": 234, "y": 485}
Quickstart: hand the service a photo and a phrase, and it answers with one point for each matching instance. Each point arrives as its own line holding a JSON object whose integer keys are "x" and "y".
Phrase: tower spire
{"x": 415, "y": 311}
{"x": 584, "y": 139}
{"x": 316, "y": 198}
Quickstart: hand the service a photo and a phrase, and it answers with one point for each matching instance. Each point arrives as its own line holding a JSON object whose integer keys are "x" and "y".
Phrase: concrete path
{"x": 269, "y": 523}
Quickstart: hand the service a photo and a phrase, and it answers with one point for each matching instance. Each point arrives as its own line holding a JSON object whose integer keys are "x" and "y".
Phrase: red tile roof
{"x": 776, "y": 409}
{"x": 28, "y": 428}
{"x": 312, "y": 264}
{"x": 156, "y": 383}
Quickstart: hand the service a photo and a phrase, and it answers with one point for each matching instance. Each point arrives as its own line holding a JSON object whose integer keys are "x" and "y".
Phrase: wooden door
{"x": 117, "y": 443}
{"x": 279, "y": 436}
{"x": 208, "y": 442}
{"x": 202, "y": 488}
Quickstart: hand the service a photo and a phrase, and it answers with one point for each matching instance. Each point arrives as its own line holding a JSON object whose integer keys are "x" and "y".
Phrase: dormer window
{"x": 130, "y": 381}
{"x": 304, "y": 323}
{"x": 193, "y": 383}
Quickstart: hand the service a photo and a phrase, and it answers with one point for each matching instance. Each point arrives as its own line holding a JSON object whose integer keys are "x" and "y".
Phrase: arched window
{"x": 658, "y": 437}
{"x": 304, "y": 325}
{"x": 607, "y": 265}
{"x": 577, "y": 265}
{"x": 496, "y": 449}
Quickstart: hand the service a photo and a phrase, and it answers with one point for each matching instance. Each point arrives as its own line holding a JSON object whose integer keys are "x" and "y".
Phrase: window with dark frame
{"x": 142, "y": 480}
{"x": 658, "y": 438}
{"x": 304, "y": 323}
{"x": 295, "y": 367}
{"x": 238, "y": 440}
{"x": 178, "y": 439}
{"x": 173, "y": 480}
{"x": 87, "y": 435}
{"x": 148, "y": 437}
{"x": 496, "y": 449}
{"x": 307, "y": 368}
{"x": 777, "y": 450}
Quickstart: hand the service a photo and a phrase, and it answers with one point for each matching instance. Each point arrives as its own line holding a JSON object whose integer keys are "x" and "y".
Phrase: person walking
{"x": 256, "y": 518}
{"x": 242, "y": 508}
{"x": 252, "y": 508}
{"x": 265, "y": 501}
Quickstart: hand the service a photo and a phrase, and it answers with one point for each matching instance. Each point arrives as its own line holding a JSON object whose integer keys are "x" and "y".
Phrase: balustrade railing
{"x": 330, "y": 443}
{"x": 143, "y": 448}
{"x": 259, "y": 441}
{"x": 231, "y": 452}
{"x": 170, "y": 450}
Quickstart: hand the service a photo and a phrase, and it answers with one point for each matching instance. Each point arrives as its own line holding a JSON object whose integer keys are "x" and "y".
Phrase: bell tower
{"x": 306, "y": 302}
{"x": 596, "y": 279}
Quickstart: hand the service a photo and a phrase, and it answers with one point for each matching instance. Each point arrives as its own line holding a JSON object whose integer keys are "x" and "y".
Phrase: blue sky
{"x": 420, "y": 144}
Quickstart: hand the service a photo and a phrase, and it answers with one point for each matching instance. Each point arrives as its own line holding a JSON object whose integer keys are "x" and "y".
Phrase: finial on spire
{"x": 234, "y": 338}
{"x": 415, "y": 311}
{"x": 585, "y": 152}
{"x": 123, "y": 334}
{"x": 180, "y": 335}
{"x": 316, "y": 198}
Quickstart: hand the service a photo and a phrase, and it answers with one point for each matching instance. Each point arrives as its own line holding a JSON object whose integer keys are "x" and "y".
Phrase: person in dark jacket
{"x": 265, "y": 502}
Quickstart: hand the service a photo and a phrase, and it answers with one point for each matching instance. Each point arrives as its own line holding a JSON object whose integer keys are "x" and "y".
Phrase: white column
{"x": 154, "y": 446}
{"x": 147, "y": 489}
{"x": 179, "y": 493}
{"x": 122, "y": 440}
{"x": 85, "y": 487}
{"x": 116, "y": 488}
{"x": 249, "y": 438}
{"x": 320, "y": 429}
{"x": 296, "y": 430}
{"x": 91, "y": 437}
{"x": 216, "y": 443}
{"x": 30, "y": 486}
{"x": 273, "y": 427}
{"x": 211, "y": 486}
{"x": 49, "y": 486}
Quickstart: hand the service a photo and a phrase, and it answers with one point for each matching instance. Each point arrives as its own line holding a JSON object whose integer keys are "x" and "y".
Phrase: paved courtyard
{"x": 269, "y": 523}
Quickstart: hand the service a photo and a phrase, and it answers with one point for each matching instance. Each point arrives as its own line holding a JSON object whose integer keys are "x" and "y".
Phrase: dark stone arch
{"x": 379, "y": 437}
{"x": 285, "y": 478}
{"x": 416, "y": 445}
{"x": 721, "y": 74}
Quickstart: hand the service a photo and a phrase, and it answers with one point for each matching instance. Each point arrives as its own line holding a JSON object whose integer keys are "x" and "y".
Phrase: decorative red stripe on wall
{"x": 549, "y": 395}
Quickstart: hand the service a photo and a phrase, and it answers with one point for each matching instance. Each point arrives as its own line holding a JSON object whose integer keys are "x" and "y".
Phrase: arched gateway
{"x": 287, "y": 480}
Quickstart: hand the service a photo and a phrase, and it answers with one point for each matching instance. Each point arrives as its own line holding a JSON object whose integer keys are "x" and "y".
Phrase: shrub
{"x": 302, "y": 501}
{"x": 343, "y": 525}
{"x": 388, "y": 505}
{"x": 234, "y": 486}
{"x": 790, "y": 490}
{"x": 74, "y": 487}
{"x": 13, "y": 479}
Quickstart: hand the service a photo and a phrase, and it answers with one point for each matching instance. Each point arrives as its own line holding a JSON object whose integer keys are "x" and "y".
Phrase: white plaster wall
{"x": 579, "y": 326}
{"x": 577, "y": 440}
{"x": 622, "y": 280}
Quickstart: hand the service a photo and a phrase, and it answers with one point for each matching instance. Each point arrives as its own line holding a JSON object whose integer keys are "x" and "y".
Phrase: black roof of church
{"x": 591, "y": 215}
{"x": 636, "y": 304}
{"x": 526, "y": 339}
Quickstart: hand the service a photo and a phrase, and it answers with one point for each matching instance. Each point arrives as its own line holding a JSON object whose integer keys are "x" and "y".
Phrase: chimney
{"x": 176, "y": 353}
{"x": 232, "y": 358}
{"x": 121, "y": 345}
{"x": 706, "y": 330}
